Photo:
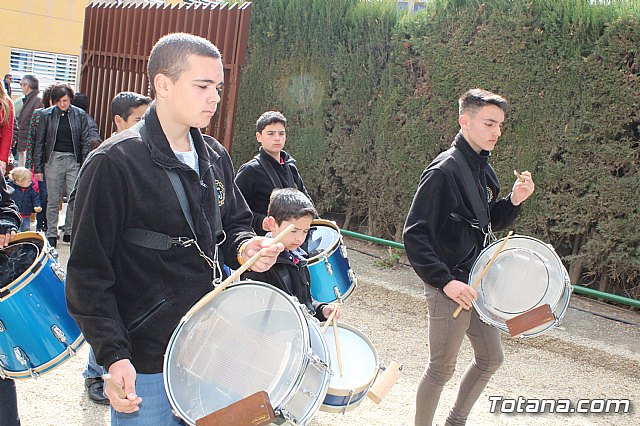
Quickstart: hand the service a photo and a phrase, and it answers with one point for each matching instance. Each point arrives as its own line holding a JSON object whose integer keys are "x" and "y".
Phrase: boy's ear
{"x": 269, "y": 224}
{"x": 259, "y": 137}
{"x": 118, "y": 120}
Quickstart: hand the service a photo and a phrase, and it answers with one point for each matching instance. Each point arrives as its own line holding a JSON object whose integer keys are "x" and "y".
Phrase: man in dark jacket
{"x": 442, "y": 240}
{"x": 31, "y": 101}
{"x": 9, "y": 222}
{"x": 62, "y": 143}
{"x": 126, "y": 292}
{"x": 271, "y": 169}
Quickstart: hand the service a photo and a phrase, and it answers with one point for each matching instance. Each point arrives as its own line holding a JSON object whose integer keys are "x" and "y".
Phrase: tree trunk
{"x": 347, "y": 217}
{"x": 575, "y": 268}
{"x": 604, "y": 282}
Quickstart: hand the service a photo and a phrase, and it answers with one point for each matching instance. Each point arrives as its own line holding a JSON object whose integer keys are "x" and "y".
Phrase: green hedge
{"x": 371, "y": 98}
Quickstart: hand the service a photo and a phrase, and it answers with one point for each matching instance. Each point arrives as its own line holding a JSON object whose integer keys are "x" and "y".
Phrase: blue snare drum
{"x": 328, "y": 262}
{"x": 36, "y": 331}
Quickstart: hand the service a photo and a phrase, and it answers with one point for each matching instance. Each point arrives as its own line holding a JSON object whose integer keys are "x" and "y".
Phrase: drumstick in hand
{"x": 486, "y": 269}
{"x": 329, "y": 320}
{"x": 236, "y": 274}
{"x": 518, "y": 175}
{"x": 336, "y": 337}
{"x": 114, "y": 386}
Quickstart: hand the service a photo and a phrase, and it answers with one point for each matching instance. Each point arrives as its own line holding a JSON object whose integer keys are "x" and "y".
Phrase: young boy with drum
{"x": 290, "y": 273}
{"x": 272, "y": 168}
{"x": 442, "y": 238}
{"x": 9, "y": 222}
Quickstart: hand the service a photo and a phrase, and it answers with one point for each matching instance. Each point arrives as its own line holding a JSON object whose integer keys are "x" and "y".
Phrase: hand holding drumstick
{"x": 523, "y": 187}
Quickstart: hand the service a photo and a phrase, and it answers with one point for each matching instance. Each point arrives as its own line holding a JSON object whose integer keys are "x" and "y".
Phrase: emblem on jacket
{"x": 489, "y": 195}
{"x": 221, "y": 194}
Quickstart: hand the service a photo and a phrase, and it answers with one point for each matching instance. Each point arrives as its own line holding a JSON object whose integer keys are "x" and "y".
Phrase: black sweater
{"x": 128, "y": 299}
{"x": 439, "y": 247}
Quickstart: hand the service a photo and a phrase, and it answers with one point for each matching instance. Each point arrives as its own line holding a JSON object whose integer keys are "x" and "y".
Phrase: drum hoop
{"x": 29, "y": 273}
{"x": 286, "y": 396}
{"x": 361, "y": 386}
{"x": 332, "y": 249}
{"x": 63, "y": 357}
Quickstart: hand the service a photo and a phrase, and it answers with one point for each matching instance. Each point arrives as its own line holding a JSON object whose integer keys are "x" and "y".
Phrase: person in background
{"x": 62, "y": 143}
{"x": 30, "y": 102}
{"x": 25, "y": 197}
{"x": 6, "y": 128}
{"x": 8, "y": 78}
{"x": 272, "y": 168}
{"x": 127, "y": 108}
{"x": 81, "y": 101}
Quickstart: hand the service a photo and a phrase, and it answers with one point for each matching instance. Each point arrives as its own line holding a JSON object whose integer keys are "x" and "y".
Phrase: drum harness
{"x": 481, "y": 221}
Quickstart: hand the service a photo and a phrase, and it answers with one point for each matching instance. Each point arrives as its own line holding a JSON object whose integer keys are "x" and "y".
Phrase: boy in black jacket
{"x": 290, "y": 273}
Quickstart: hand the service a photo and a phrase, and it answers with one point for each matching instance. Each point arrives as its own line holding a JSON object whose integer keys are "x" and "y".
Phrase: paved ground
{"x": 589, "y": 357}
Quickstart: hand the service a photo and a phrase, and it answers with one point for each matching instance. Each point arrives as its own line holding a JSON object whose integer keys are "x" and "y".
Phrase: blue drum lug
{"x": 2, "y": 327}
{"x": 328, "y": 266}
{"x": 58, "y": 271}
{"x": 23, "y": 359}
{"x": 343, "y": 249}
{"x": 59, "y": 334}
{"x": 352, "y": 277}
{"x": 52, "y": 252}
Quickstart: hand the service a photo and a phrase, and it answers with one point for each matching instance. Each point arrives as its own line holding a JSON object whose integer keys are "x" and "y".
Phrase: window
{"x": 48, "y": 67}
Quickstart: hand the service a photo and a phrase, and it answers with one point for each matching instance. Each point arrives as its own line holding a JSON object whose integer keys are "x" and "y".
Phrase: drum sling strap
{"x": 158, "y": 241}
{"x": 481, "y": 221}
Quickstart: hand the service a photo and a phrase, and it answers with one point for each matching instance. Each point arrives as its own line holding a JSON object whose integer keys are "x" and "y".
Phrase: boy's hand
{"x": 326, "y": 310}
{"x": 37, "y": 209}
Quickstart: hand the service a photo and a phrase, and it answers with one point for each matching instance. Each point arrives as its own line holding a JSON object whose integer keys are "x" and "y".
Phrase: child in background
{"x": 24, "y": 195}
{"x": 290, "y": 273}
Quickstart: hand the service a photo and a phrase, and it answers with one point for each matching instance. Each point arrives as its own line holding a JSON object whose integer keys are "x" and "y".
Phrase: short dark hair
{"x": 124, "y": 102}
{"x": 31, "y": 80}
{"x": 169, "y": 54}
{"x": 7, "y": 75}
{"x": 46, "y": 96}
{"x": 81, "y": 101}
{"x": 475, "y": 99}
{"x": 270, "y": 117}
{"x": 289, "y": 203}
{"x": 59, "y": 91}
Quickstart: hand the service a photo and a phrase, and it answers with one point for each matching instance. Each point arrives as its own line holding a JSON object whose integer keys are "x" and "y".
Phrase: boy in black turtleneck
{"x": 290, "y": 273}
{"x": 442, "y": 241}
{"x": 271, "y": 169}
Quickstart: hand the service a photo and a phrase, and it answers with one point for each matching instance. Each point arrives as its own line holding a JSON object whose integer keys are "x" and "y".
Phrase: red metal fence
{"x": 118, "y": 39}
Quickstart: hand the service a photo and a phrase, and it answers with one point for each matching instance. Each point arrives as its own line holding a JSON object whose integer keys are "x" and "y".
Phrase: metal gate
{"x": 117, "y": 41}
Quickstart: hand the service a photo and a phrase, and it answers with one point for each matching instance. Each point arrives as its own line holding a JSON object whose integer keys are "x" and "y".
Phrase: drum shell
{"x": 527, "y": 273}
{"x": 285, "y": 393}
{"x": 330, "y": 269}
{"x": 30, "y": 307}
{"x": 360, "y": 367}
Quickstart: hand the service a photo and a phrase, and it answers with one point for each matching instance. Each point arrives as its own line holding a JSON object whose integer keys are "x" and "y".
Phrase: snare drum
{"x": 526, "y": 274}
{"x": 251, "y": 337}
{"x": 360, "y": 366}
{"x": 328, "y": 262}
{"x": 37, "y": 333}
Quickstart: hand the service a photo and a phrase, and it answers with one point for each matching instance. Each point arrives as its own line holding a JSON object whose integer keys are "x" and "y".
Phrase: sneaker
{"x": 53, "y": 241}
{"x": 66, "y": 238}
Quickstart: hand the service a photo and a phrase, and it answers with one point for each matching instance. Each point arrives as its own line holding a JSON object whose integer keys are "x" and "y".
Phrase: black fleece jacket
{"x": 256, "y": 186}
{"x": 128, "y": 299}
{"x": 440, "y": 247}
{"x": 292, "y": 278}
{"x": 9, "y": 217}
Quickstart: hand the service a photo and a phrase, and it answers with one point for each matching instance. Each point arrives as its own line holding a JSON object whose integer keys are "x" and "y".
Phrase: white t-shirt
{"x": 190, "y": 158}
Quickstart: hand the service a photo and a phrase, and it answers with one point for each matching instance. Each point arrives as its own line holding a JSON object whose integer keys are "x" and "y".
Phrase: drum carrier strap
{"x": 158, "y": 241}
{"x": 481, "y": 221}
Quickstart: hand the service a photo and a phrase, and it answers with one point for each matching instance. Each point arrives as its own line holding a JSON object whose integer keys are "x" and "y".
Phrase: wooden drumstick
{"x": 519, "y": 176}
{"x": 486, "y": 269}
{"x": 236, "y": 274}
{"x": 336, "y": 337}
{"x": 114, "y": 386}
{"x": 329, "y": 321}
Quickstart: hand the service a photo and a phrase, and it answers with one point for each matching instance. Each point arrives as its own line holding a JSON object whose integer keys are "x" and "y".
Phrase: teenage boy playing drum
{"x": 271, "y": 169}
{"x": 442, "y": 241}
{"x": 290, "y": 273}
{"x": 131, "y": 275}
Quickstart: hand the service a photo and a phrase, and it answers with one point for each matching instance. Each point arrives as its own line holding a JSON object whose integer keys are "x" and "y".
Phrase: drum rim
{"x": 286, "y": 395}
{"x": 27, "y": 276}
{"x": 562, "y": 299}
{"x": 50, "y": 365}
{"x": 332, "y": 249}
{"x": 361, "y": 387}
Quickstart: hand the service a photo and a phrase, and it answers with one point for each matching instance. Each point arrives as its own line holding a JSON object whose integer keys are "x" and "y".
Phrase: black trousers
{"x": 8, "y": 403}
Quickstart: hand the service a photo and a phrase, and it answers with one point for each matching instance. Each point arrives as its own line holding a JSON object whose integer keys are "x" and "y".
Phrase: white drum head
{"x": 526, "y": 274}
{"x": 250, "y": 338}
{"x": 322, "y": 238}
